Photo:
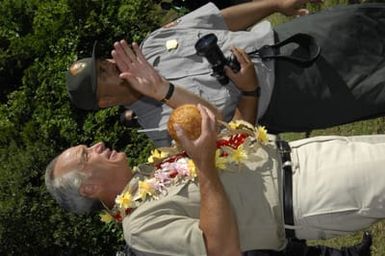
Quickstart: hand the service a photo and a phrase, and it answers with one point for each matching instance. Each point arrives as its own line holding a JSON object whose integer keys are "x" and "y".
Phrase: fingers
{"x": 241, "y": 56}
{"x": 138, "y": 53}
{"x": 208, "y": 126}
{"x": 202, "y": 149}
{"x": 128, "y": 76}
{"x": 183, "y": 140}
{"x": 229, "y": 72}
{"x": 205, "y": 126}
{"x": 123, "y": 55}
{"x": 120, "y": 57}
{"x": 243, "y": 59}
{"x": 127, "y": 49}
{"x": 124, "y": 49}
{"x": 302, "y": 12}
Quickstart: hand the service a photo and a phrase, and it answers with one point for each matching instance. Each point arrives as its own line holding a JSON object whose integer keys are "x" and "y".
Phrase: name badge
{"x": 171, "y": 44}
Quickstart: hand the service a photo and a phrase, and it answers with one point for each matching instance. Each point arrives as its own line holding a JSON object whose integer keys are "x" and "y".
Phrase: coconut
{"x": 189, "y": 118}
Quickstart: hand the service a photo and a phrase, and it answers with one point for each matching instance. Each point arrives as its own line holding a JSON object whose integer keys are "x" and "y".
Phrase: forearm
{"x": 247, "y": 109}
{"x": 217, "y": 219}
{"x": 240, "y": 17}
{"x": 181, "y": 96}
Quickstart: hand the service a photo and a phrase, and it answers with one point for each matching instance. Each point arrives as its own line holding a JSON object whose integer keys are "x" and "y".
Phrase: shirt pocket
{"x": 181, "y": 61}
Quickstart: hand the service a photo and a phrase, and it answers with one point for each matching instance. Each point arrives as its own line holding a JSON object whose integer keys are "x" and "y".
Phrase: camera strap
{"x": 305, "y": 53}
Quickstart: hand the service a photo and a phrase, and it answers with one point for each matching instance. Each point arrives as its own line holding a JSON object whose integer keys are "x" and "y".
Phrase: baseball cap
{"x": 81, "y": 82}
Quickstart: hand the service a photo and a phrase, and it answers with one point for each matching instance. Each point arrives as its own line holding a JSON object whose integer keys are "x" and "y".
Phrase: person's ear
{"x": 89, "y": 190}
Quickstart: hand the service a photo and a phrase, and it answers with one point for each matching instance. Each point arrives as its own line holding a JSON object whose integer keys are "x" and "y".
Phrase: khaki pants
{"x": 338, "y": 184}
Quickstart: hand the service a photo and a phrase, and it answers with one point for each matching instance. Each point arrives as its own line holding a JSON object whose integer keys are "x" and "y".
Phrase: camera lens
{"x": 205, "y": 43}
{"x": 207, "y": 46}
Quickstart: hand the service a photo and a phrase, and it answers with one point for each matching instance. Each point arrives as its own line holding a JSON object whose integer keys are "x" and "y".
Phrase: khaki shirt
{"x": 182, "y": 66}
{"x": 170, "y": 225}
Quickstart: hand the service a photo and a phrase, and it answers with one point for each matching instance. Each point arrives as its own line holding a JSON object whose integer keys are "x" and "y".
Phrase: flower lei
{"x": 170, "y": 167}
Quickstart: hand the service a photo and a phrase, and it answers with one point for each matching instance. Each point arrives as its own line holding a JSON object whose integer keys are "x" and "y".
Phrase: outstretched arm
{"x": 142, "y": 76}
{"x": 242, "y": 16}
{"x": 217, "y": 220}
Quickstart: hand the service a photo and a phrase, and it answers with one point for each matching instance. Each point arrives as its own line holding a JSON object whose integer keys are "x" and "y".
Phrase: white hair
{"x": 65, "y": 190}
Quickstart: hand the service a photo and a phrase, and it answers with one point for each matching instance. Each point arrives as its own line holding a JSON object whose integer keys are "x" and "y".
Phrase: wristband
{"x": 169, "y": 93}
{"x": 255, "y": 93}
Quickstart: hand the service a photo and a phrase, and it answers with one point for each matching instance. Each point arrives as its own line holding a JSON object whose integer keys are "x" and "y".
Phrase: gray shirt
{"x": 183, "y": 67}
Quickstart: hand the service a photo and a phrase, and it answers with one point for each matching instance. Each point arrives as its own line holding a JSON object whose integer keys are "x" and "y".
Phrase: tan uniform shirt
{"x": 170, "y": 225}
{"x": 338, "y": 188}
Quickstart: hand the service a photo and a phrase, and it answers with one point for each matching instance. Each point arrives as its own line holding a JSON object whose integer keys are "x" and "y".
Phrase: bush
{"x": 39, "y": 39}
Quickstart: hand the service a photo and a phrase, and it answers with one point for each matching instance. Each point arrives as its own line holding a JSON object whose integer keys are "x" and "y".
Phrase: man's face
{"x": 111, "y": 89}
{"x": 97, "y": 162}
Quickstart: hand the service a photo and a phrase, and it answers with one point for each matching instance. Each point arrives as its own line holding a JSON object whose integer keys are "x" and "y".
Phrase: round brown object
{"x": 189, "y": 118}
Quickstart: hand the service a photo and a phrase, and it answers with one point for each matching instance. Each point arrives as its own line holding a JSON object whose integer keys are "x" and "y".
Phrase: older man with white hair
{"x": 231, "y": 192}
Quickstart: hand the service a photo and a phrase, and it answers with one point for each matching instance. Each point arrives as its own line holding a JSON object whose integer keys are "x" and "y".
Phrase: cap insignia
{"x": 77, "y": 67}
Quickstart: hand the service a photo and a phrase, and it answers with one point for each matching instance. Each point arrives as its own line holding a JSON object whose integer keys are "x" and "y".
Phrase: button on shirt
{"x": 179, "y": 64}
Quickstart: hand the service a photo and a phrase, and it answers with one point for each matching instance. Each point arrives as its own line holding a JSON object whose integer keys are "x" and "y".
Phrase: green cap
{"x": 81, "y": 83}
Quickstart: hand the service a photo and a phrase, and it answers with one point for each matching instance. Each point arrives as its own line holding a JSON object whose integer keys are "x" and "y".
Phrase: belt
{"x": 287, "y": 180}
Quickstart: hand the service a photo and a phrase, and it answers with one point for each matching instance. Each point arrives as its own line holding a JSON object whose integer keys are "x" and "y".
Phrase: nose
{"x": 98, "y": 147}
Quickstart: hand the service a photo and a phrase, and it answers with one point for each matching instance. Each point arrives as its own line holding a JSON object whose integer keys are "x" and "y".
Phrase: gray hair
{"x": 65, "y": 190}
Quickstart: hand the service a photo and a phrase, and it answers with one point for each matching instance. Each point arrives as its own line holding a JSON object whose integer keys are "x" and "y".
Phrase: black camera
{"x": 207, "y": 46}
{"x": 128, "y": 118}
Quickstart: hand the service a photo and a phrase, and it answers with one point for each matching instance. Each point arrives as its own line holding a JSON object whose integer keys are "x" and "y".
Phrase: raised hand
{"x": 137, "y": 71}
{"x": 245, "y": 79}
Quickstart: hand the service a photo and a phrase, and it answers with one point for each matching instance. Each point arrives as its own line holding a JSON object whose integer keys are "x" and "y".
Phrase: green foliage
{"x": 38, "y": 41}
